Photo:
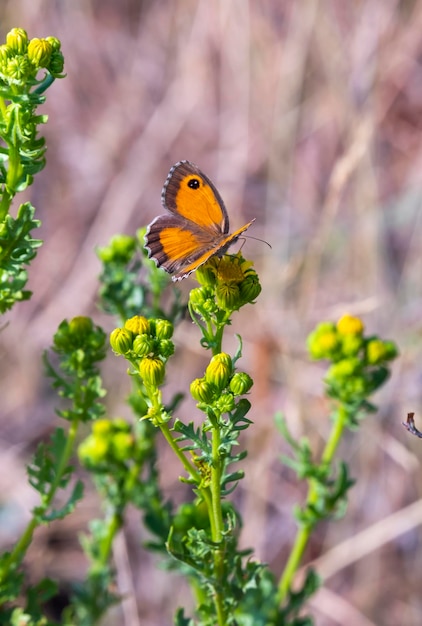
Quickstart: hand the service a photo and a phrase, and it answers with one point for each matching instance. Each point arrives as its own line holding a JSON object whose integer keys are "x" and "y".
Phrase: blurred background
{"x": 307, "y": 116}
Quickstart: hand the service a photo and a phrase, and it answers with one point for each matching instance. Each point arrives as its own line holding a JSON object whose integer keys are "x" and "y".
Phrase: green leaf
{"x": 69, "y": 507}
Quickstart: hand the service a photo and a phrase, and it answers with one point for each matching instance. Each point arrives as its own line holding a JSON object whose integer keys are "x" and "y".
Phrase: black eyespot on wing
{"x": 194, "y": 183}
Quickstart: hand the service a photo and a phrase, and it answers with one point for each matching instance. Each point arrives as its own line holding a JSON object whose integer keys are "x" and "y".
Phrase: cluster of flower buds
{"x": 81, "y": 341}
{"x": 21, "y": 58}
{"x": 220, "y": 384}
{"x": 120, "y": 249}
{"x": 111, "y": 442}
{"x": 147, "y": 345}
{"x": 359, "y": 363}
{"x": 227, "y": 283}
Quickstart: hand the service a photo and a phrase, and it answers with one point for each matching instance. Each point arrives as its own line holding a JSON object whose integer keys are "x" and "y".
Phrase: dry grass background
{"x": 308, "y": 116}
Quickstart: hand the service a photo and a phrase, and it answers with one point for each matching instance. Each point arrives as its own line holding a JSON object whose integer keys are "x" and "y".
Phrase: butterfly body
{"x": 196, "y": 227}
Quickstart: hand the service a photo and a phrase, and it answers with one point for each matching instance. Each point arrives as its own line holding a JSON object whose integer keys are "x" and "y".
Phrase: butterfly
{"x": 197, "y": 226}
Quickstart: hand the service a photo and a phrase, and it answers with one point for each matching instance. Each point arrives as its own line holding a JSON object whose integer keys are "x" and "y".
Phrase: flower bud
{"x": 198, "y": 297}
{"x": 120, "y": 248}
{"x": 122, "y": 446}
{"x": 205, "y": 275}
{"x": 219, "y": 370}
{"x": 39, "y": 52}
{"x": 143, "y": 345}
{"x": 93, "y": 450}
{"x": 250, "y": 288}
{"x": 138, "y": 325}
{"x": 102, "y": 427}
{"x": 353, "y": 388}
{"x": 227, "y": 296}
{"x": 351, "y": 344}
{"x": 350, "y": 325}
{"x": 344, "y": 369}
{"x": 121, "y": 340}
{"x": 240, "y": 383}
{"x": 5, "y": 54}
{"x": 81, "y": 326}
{"x": 119, "y": 424}
{"x": 152, "y": 371}
{"x": 225, "y": 403}
{"x": 18, "y": 69}
{"x": 17, "y": 40}
{"x": 201, "y": 390}
{"x": 391, "y": 350}
{"x": 376, "y": 351}
{"x": 163, "y": 329}
{"x": 54, "y": 43}
{"x": 56, "y": 64}
{"x": 323, "y": 342}
{"x": 166, "y": 348}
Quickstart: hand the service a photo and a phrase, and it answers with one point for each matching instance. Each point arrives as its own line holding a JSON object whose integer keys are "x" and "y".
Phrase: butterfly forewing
{"x": 188, "y": 192}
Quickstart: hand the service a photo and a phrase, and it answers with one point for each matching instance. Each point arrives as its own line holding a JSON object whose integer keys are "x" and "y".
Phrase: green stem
{"x": 114, "y": 523}
{"x": 5, "y": 202}
{"x": 217, "y": 521}
{"x": 293, "y": 562}
{"x": 216, "y": 511}
{"x": 304, "y": 532}
{"x": 179, "y": 453}
{"x": 14, "y": 172}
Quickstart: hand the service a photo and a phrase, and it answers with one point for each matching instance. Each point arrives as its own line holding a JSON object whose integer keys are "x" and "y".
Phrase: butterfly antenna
{"x": 257, "y": 239}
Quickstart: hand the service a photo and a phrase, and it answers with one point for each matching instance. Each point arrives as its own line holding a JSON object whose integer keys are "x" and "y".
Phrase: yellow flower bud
{"x": 163, "y": 329}
{"x": 201, "y": 390}
{"x": 376, "y": 351}
{"x": 93, "y": 450}
{"x": 152, "y": 371}
{"x": 351, "y": 344}
{"x": 122, "y": 445}
{"x": 219, "y": 370}
{"x": 39, "y": 52}
{"x": 344, "y": 369}
{"x": 121, "y": 340}
{"x": 5, "y": 54}
{"x": 54, "y": 43}
{"x": 102, "y": 427}
{"x": 138, "y": 325}
{"x": 324, "y": 342}
{"x": 350, "y": 325}
{"x": 17, "y": 40}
